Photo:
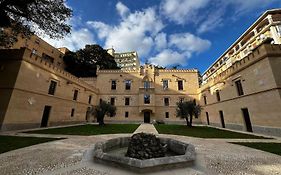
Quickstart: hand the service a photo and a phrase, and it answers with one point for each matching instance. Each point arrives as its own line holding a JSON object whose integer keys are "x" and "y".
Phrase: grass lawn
{"x": 202, "y": 132}
{"x": 90, "y": 129}
{"x": 274, "y": 148}
{"x": 8, "y": 143}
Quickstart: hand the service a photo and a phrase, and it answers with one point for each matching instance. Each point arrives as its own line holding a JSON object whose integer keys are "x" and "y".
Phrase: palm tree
{"x": 188, "y": 109}
{"x": 104, "y": 108}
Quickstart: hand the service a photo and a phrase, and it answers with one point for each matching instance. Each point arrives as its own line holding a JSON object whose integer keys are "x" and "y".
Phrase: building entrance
{"x": 146, "y": 117}
{"x": 247, "y": 119}
{"x": 45, "y": 117}
{"x": 222, "y": 119}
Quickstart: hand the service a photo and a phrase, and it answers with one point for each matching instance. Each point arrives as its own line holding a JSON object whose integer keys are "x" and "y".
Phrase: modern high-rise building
{"x": 125, "y": 60}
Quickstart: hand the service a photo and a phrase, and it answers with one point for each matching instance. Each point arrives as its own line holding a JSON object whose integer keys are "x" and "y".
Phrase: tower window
{"x": 218, "y": 95}
{"x": 180, "y": 85}
{"x": 112, "y": 101}
{"x": 126, "y": 114}
{"x": 239, "y": 87}
{"x": 113, "y": 85}
{"x": 166, "y": 101}
{"x": 146, "y": 99}
{"x": 128, "y": 84}
{"x": 127, "y": 101}
{"x": 165, "y": 84}
{"x": 52, "y": 87}
{"x": 75, "y": 95}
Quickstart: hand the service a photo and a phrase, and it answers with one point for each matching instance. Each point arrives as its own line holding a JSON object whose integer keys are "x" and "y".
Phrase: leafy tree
{"x": 176, "y": 66}
{"x": 104, "y": 108}
{"x": 83, "y": 63}
{"x": 160, "y": 67}
{"x": 25, "y": 16}
{"x": 188, "y": 109}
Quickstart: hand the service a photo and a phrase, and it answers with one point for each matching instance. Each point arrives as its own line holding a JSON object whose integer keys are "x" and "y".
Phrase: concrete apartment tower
{"x": 125, "y": 60}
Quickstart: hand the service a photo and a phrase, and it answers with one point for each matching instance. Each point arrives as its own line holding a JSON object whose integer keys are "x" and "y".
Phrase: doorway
{"x": 207, "y": 116}
{"x": 45, "y": 117}
{"x": 222, "y": 119}
{"x": 146, "y": 117}
{"x": 247, "y": 119}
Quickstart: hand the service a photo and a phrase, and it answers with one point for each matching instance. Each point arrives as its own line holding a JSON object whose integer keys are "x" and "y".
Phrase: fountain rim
{"x": 100, "y": 155}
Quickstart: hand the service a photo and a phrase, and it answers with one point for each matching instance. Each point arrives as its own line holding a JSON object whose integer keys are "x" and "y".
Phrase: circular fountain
{"x": 144, "y": 152}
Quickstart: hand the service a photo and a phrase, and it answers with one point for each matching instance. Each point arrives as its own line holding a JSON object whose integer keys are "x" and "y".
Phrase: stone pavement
{"x": 146, "y": 127}
{"x": 73, "y": 156}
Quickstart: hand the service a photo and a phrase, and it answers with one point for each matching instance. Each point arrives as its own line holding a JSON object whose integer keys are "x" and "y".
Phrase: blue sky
{"x": 189, "y": 33}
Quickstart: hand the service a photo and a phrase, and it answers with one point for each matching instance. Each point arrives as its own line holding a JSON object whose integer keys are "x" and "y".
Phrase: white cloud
{"x": 74, "y": 41}
{"x": 135, "y": 32}
{"x": 207, "y": 15}
{"x": 169, "y": 57}
{"x": 212, "y": 21}
{"x": 244, "y": 6}
{"x": 122, "y": 9}
{"x": 182, "y": 11}
{"x": 189, "y": 42}
{"x": 160, "y": 41}
{"x": 103, "y": 29}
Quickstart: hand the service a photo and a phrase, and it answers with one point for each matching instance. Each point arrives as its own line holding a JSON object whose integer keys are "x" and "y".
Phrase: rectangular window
{"x": 167, "y": 114}
{"x": 72, "y": 112}
{"x": 239, "y": 87}
{"x": 165, "y": 84}
{"x": 218, "y": 95}
{"x": 146, "y": 99}
{"x": 113, "y": 85}
{"x": 112, "y": 101}
{"x": 180, "y": 85}
{"x": 126, "y": 114}
{"x": 52, "y": 87}
{"x": 127, "y": 101}
{"x": 128, "y": 84}
{"x": 75, "y": 95}
{"x": 166, "y": 101}
{"x": 205, "y": 99}
{"x": 90, "y": 99}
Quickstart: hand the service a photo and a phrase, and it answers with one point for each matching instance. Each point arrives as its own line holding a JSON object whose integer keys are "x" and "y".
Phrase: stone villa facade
{"x": 241, "y": 90}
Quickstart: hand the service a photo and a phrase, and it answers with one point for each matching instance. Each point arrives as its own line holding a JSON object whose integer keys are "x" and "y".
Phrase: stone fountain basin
{"x": 108, "y": 152}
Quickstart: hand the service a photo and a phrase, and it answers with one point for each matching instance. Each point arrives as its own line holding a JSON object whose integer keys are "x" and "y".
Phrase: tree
{"x": 26, "y": 17}
{"x": 188, "y": 109}
{"x": 83, "y": 63}
{"x": 104, "y": 108}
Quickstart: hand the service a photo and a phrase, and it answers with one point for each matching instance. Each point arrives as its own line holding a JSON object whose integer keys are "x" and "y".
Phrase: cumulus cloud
{"x": 169, "y": 57}
{"x": 74, "y": 41}
{"x": 136, "y": 31}
{"x": 208, "y": 14}
{"x": 160, "y": 41}
{"x": 122, "y": 9}
{"x": 182, "y": 11}
{"x": 189, "y": 42}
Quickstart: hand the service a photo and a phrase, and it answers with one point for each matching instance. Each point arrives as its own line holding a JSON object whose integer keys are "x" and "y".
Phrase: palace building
{"x": 241, "y": 90}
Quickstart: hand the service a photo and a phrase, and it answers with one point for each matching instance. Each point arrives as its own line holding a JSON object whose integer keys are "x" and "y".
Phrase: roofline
{"x": 243, "y": 34}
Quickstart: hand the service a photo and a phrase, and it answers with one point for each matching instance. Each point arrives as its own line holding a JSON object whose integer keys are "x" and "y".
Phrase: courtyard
{"x": 71, "y": 153}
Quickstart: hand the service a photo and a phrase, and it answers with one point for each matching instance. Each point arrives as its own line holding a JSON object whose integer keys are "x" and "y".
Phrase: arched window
{"x": 146, "y": 84}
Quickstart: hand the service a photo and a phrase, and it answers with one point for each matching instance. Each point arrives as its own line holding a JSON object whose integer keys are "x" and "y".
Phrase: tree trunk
{"x": 190, "y": 123}
{"x": 101, "y": 122}
{"x": 187, "y": 122}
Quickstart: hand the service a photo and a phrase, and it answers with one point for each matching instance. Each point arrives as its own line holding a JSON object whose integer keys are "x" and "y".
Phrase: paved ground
{"x": 74, "y": 156}
{"x": 148, "y": 128}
